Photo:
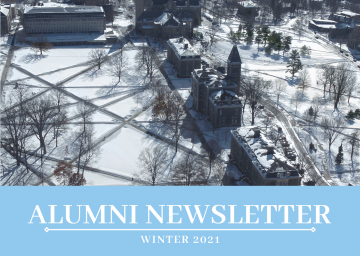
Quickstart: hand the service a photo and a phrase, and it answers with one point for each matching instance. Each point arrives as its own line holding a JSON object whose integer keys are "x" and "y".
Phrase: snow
{"x": 55, "y": 59}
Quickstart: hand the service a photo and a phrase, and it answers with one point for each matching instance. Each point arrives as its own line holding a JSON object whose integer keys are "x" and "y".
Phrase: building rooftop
{"x": 224, "y": 98}
{"x": 4, "y": 11}
{"x": 62, "y": 9}
{"x": 248, "y": 4}
{"x": 213, "y": 78}
{"x": 234, "y": 55}
{"x": 266, "y": 157}
{"x": 183, "y": 48}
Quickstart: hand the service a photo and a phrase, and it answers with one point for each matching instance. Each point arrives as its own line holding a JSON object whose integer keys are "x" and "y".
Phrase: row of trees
{"x": 271, "y": 40}
{"x": 24, "y": 118}
{"x": 339, "y": 81}
{"x": 189, "y": 170}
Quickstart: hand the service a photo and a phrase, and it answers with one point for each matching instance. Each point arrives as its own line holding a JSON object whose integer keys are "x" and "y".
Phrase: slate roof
{"x": 234, "y": 55}
{"x": 60, "y": 9}
{"x": 150, "y": 15}
{"x": 4, "y": 11}
{"x": 159, "y": 2}
{"x": 180, "y": 3}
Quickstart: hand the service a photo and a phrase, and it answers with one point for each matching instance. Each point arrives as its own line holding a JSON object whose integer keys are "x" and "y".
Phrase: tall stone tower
{"x": 139, "y": 8}
{"x": 234, "y": 66}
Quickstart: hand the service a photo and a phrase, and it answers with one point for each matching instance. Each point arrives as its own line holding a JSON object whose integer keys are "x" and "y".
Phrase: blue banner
{"x": 179, "y": 220}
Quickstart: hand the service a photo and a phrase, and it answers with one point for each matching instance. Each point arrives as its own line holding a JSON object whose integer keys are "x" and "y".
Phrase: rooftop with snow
{"x": 266, "y": 157}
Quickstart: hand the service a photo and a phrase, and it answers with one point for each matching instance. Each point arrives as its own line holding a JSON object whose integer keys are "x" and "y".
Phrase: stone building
{"x": 183, "y": 56}
{"x": 354, "y": 38}
{"x": 248, "y": 9}
{"x": 5, "y": 20}
{"x": 91, "y": 2}
{"x": 70, "y": 19}
{"x": 165, "y": 25}
{"x": 167, "y": 18}
{"x": 216, "y": 94}
{"x": 258, "y": 158}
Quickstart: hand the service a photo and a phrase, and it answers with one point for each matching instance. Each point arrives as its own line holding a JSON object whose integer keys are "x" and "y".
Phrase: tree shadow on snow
{"x": 32, "y": 58}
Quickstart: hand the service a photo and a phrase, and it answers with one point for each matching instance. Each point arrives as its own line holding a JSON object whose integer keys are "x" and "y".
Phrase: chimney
{"x": 229, "y": 101}
{"x": 186, "y": 46}
{"x": 256, "y": 132}
{"x": 270, "y": 149}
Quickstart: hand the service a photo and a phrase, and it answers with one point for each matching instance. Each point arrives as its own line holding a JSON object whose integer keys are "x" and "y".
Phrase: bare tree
{"x": 168, "y": 105}
{"x": 117, "y": 64}
{"x": 211, "y": 151}
{"x": 279, "y": 88}
{"x": 40, "y": 43}
{"x": 189, "y": 170}
{"x": 59, "y": 123}
{"x": 14, "y": 126}
{"x": 59, "y": 96}
{"x": 296, "y": 99}
{"x": 345, "y": 79}
{"x": 41, "y": 111}
{"x": 212, "y": 32}
{"x": 351, "y": 90}
{"x": 326, "y": 77}
{"x": 254, "y": 88}
{"x": 85, "y": 111}
{"x": 97, "y": 57}
{"x": 298, "y": 27}
{"x": 304, "y": 80}
{"x": 354, "y": 143}
{"x": 146, "y": 58}
{"x": 87, "y": 153}
{"x": 152, "y": 162}
{"x": 317, "y": 106}
{"x": 332, "y": 128}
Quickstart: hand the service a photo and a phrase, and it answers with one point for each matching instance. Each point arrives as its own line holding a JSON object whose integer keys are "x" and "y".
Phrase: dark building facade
{"x": 258, "y": 158}
{"x": 165, "y": 25}
{"x": 71, "y": 19}
{"x": 167, "y": 18}
{"x": 182, "y": 56}
{"x": 354, "y": 38}
{"x": 5, "y": 20}
{"x": 248, "y": 9}
{"x": 216, "y": 94}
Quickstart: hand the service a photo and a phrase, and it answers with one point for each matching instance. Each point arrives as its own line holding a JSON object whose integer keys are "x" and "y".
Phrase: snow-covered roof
{"x": 182, "y": 47}
{"x": 268, "y": 160}
{"x": 213, "y": 78}
{"x": 4, "y": 11}
{"x": 248, "y": 4}
{"x": 72, "y": 37}
{"x": 62, "y": 9}
{"x": 224, "y": 98}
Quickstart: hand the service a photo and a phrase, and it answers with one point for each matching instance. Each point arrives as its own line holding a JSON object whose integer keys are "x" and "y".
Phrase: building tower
{"x": 139, "y": 8}
{"x": 234, "y": 66}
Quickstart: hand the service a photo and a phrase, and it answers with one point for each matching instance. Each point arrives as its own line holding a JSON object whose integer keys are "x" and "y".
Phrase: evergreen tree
{"x": 258, "y": 40}
{"x": 268, "y": 50}
{"x": 265, "y": 31}
{"x": 286, "y": 42}
{"x": 294, "y": 63}
{"x": 249, "y": 28}
{"x": 311, "y": 111}
{"x": 357, "y": 113}
{"x": 340, "y": 156}
{"x": 350, "y": 115}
